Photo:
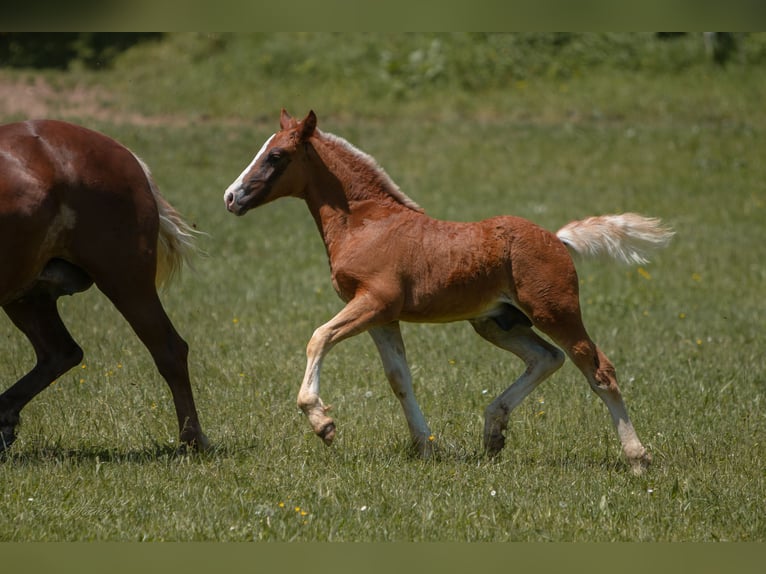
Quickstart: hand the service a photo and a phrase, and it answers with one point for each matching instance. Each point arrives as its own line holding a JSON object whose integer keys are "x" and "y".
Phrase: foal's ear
{"x": 285, "y": 120}
{"x": 308, "y": 125}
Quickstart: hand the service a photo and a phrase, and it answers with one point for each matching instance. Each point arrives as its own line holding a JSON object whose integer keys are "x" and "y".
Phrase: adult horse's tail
{"x": 175, "y": 243}
{"x": 627, "y": 237}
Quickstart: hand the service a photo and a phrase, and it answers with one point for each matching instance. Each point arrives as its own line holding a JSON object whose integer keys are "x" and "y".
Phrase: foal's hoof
{"x": 641, "y": 463}
{"x": 425, "y": 448}
{"x": 327, "y": 433}
{"x": 494, "y": 443}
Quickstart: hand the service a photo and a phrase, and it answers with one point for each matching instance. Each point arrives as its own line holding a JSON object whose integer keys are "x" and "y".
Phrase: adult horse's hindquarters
{"x": 78, "y": 208}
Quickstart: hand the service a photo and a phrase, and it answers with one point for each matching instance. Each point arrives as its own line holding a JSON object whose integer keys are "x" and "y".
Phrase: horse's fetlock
{"x": 425, "y": 447}
{"x": 497, "y": 414}
{"x": 9, "y": 420}
{"x": 307, "y": 403}
{"x": 73, "y": 357}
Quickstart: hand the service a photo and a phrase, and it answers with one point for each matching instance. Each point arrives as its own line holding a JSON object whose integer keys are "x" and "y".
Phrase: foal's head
{"x": 275, "y": 171}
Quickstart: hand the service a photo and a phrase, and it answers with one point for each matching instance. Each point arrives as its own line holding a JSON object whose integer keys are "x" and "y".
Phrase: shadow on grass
{"x": 393, "y": 452}
{"x": 455, "y": 454}
{"x": 55, "y": 453}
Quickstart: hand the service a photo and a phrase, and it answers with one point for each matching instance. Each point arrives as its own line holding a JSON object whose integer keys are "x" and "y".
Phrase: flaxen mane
{"x": 369, "y": 161}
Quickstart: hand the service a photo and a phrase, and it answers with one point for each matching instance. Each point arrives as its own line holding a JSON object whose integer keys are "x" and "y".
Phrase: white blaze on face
{"x": 234, "y": 187}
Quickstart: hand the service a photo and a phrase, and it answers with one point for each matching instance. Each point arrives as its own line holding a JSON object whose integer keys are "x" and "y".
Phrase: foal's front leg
{"x": 388, "y": 340}
{"x": 357, "y": 316}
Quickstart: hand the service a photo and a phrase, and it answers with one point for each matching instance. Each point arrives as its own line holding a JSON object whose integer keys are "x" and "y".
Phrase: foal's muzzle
{"x": 232, "y": 199}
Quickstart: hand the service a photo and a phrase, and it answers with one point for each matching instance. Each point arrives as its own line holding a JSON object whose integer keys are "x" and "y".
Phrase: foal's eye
{"x": 274, "y": 157}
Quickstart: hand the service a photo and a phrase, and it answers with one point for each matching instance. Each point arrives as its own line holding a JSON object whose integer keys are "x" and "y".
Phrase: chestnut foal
{"x": 390, "y": 262}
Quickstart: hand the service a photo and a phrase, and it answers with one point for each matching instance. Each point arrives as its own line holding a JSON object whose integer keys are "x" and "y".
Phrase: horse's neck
{"x": 345, "y": 190}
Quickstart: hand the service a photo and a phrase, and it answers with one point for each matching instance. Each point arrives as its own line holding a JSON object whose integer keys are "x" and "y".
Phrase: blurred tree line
{"x": 532, "y": 51}
{"x": 61, "y": 49}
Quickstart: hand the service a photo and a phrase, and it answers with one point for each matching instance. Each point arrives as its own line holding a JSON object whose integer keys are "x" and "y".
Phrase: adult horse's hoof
{"x": 197, "y": 444}
{"x": 327, "y": 433}
{"x": 7, "y": 437}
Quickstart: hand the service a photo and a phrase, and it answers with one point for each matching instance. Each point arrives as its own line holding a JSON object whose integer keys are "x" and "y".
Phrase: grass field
{"x": 95, "y": 455}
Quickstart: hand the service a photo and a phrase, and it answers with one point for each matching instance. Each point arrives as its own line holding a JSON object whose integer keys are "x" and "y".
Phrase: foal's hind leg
{"x": 137, "y": 300}
{"x": 541, "y": 359}
{"x": 37, "y": 317}
{"x": 388, "y": 340}
{"x": 566, "y": 329}
{"x": 603, "y": 380}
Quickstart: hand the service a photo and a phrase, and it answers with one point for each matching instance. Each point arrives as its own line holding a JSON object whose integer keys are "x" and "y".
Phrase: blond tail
{"x": 175, "y": 242}
{"x": 627, "y": 237}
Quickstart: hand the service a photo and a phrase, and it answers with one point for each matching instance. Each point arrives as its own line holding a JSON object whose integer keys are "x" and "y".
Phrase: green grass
{"x": 95, "y": 455}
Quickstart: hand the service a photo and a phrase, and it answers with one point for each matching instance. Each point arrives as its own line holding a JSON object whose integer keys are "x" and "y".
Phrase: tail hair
{"x": 627, "y": 237}
{"x": 175, "y": 242}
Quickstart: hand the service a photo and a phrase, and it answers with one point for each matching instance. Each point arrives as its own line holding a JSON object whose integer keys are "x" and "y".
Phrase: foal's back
{"x": 447, "y": 270}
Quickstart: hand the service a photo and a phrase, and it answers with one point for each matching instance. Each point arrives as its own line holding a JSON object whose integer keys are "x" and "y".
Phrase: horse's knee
{"x": 319, "y": 344}
{"x": 181, "y": 349}
{"x": 172, "y": 362}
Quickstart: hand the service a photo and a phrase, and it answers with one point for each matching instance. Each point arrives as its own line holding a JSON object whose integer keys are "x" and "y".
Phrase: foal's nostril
{"x": 228, "y": 198}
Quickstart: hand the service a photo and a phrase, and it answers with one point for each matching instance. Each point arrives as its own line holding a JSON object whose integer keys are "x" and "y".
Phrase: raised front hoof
{"x": 327, "y": 433}
{"x": 493, "y": 444}
{"x": 640, "y": 464}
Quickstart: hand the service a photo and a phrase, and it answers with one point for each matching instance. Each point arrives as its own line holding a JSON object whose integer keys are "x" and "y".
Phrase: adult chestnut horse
{"x": 390, "y": 262}
{"x": 78, "y": 208}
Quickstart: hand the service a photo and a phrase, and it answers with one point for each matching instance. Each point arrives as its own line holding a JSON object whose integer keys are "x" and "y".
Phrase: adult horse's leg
{"x": 137, "y": 300}
{"x": 357, "y": 316}
{"x": 388, "y": 339}
{"x": 37, "y": 317}
{"x": 541, "y": 359}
